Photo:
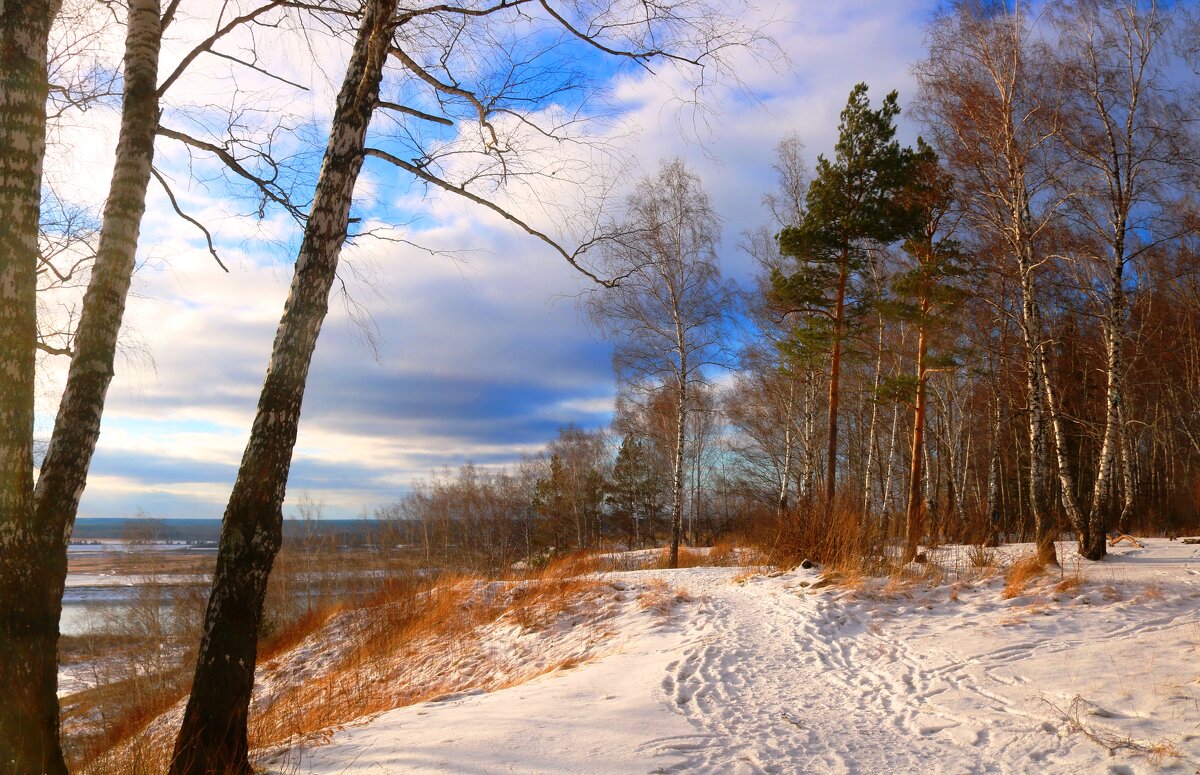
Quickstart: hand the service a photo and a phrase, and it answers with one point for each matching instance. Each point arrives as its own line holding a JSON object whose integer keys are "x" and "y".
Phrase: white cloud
{"x": 481, "y": 356}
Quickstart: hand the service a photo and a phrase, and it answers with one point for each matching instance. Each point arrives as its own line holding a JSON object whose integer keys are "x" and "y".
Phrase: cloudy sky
{"x": 480, "y": 356}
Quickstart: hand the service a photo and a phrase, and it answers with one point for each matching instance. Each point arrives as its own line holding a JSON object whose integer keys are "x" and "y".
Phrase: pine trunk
{"x": 29, "y": 742}
{"x": 835, "y": 373}
{"x": 212, "y": 738}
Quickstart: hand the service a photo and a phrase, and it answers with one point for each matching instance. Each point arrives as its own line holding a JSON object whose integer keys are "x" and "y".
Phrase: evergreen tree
{"x": 550, "y": 504}
{"x": 850, "y": 208}
{"x": 925, "y": 293}
{"x": 626, "y": 496}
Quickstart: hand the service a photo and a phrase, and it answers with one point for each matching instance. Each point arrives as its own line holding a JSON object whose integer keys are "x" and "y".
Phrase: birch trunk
{"x": 915, "y": 511}
{"x": 212, "y": 738}
{"x": 77, "y": 427}
{"x": 886, "y": 498}
{"x": 1127, "y": 472}
{"x": 1103, "y": 513}
{"x": 871, "y": 433}
{"x": 994, "y": 508}
{"x": 1036, "y": 381}
{"x": 1067, "y": 483}
{"x": 677, "y": 463}
{"x": 28, "y": 622}
{"x": 785, "y": 475}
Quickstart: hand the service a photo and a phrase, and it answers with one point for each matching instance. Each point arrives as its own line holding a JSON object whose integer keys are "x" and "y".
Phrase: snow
{"x": 1093, "y": 669}
{"x": 586, "y": 719}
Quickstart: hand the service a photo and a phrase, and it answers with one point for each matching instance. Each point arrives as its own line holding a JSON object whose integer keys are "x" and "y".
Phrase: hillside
{"x": 1090, "y": 669}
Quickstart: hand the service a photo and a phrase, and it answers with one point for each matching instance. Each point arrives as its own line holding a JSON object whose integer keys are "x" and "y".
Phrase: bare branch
{"x": 571, "y": 257}
{"x": 178, "y": 211}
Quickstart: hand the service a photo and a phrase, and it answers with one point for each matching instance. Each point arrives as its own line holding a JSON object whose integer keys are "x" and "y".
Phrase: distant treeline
{"x": 346, "y": 531}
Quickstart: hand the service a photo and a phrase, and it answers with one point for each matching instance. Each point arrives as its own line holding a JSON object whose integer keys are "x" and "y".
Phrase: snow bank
{"x": 1090, "y": 670}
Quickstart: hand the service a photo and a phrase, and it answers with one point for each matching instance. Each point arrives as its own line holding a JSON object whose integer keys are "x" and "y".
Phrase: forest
{"x": 987, "y": 335}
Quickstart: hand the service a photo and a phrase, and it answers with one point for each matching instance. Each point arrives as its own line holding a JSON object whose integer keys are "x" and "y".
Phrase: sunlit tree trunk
{"x": 994, "y": 508}
{"x": 915, "y": 510}
{"x": 677, "y": 453}
{"x": 785, "y": 474}
{"x": 212, "y": 738}
{"x": 1038, "y": 393}
{"x": 868, "y": 494}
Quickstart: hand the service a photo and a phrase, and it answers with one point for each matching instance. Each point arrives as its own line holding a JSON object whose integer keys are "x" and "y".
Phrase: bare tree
{"x": 773, "y": 404}
{"x": 667, "y": 311}
{"x": 1130, "y": 170}
{"x": 991, "y": 117}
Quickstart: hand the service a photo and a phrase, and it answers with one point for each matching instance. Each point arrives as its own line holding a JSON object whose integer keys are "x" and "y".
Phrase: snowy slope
{"x": 767, "y": 674}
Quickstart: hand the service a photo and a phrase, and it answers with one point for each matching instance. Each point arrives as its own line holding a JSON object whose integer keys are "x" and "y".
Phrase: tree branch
{"x": 572, "y": 258}
{"x": 175, "y": 204}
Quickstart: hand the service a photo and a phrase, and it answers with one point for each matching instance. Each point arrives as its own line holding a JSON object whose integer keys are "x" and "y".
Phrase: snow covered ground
{"x": 1093, "y": 669}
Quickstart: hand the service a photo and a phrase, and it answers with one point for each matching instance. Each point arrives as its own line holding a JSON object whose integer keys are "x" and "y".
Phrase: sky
{"x": 480, "y": 351}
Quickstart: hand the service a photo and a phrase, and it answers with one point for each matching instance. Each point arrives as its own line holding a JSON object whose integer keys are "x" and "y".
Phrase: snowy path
{"x": 771, "y": 676}
{"x": 788, "y": 683}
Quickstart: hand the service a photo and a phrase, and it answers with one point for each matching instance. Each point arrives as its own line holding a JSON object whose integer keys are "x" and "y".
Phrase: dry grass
{"x": 292, "y": 634}
{"x": 724, "y": 553}
{"x": 982, "y": 557}
{"x": 1151, "y": 593}
{"x": 1155, "y": 751}
{"x": 840, "y": 538}
{"x": 578, "y": 563}
{"x": 661, "y": 598}
{"x": 688, "y": 558}
{"x": 412, "y": 626}
{"x": 1069, "y": 584}
{"x": 92, "y": 754}
{"x": 1021, "y": 574}
{"x": 371, "y": 661}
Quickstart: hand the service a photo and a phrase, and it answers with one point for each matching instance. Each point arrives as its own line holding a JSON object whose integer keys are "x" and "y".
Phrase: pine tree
{"x": 925, "y": 294}
{"x": 850, "y": 208}
{"x": 626, "y": 490}
{"x": 550, "y": 504}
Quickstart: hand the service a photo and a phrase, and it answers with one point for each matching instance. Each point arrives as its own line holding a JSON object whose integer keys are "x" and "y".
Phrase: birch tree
{"x": 992, "y": 118}
{"x": 28, "y": 627}
{"x": 92, "y": 344}
{"x": 666, "y": 313}
{"x": 1130, "y": 169}
{"x": 772, "y": 402}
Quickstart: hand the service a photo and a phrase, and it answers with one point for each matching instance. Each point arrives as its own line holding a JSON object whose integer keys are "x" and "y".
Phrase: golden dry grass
{"x": 661, "y": 598}
{"x": 1020, "y": 574}
{"x": 407, "y": 621}
{"x": 403, "y": 630}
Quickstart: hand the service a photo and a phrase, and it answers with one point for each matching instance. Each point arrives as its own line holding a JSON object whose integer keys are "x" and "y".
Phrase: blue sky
{"x": 480, "y": 357}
